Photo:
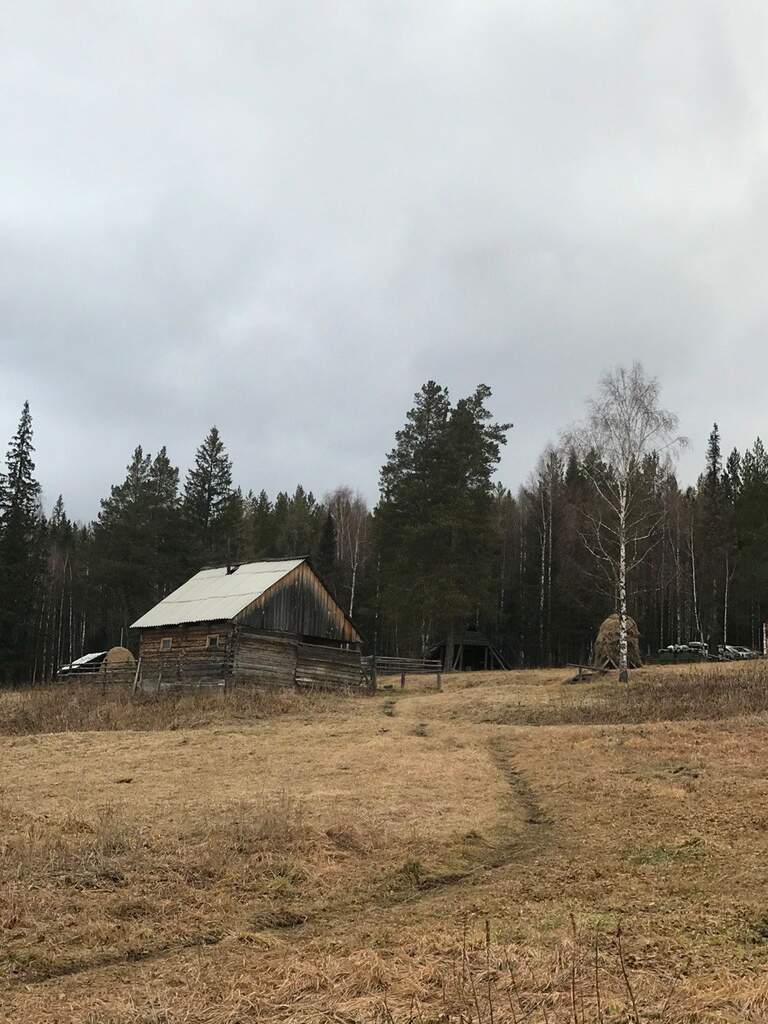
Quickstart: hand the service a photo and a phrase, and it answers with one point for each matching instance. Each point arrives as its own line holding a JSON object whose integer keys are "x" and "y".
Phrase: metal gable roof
{"x": 86, "y": 659}
{"x": 215, "y": 594}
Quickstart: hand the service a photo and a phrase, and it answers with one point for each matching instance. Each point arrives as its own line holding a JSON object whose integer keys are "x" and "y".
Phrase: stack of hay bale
{"x": 607, "y": 643}
{"x": 119, "y": 666}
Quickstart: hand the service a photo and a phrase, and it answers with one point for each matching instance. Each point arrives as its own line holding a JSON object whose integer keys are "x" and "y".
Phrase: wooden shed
{"x": 470, "y": 651}
{"x": 273, "y": 623}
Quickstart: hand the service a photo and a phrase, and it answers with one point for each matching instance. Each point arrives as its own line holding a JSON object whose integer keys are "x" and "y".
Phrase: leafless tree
{"x": 352, "y": 518}
{"x": 625, "y": 424}
{"x": 540, "y": 494}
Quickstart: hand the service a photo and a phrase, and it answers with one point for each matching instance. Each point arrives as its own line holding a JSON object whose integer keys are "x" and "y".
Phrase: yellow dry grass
{"x": 406, "y": 857}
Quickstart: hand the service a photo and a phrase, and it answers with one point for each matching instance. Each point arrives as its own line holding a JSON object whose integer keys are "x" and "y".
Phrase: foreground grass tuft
{"x": 88, "y": 708}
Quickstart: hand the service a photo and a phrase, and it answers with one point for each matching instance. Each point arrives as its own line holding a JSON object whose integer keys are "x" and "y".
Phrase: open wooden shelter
{"x": 469, "y": 651}
{"x": 271, "y": 622}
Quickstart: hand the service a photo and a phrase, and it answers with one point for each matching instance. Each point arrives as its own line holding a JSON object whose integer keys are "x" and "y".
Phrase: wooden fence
{"x": 403, "y": 667}
{"x": 104, "y": 676}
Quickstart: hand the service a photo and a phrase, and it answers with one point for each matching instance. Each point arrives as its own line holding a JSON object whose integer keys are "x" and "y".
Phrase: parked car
{"x": 729, "y": 652}
{"x": 747, "y": 652}
{"x": 675, "y": 649}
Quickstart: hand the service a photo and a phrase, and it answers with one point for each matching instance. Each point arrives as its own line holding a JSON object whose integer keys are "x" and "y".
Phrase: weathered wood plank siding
{"x": 328, "y": 668}
{"x": 268, "y": 660}
{"x": 300, "y": 604}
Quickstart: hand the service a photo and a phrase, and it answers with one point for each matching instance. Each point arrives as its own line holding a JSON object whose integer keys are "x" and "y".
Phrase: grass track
{"x": 310, "y": 861}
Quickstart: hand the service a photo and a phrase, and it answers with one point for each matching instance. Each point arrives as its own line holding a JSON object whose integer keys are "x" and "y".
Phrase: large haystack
{"x": 607, "y": 643}
{"x": 119, "y": 657}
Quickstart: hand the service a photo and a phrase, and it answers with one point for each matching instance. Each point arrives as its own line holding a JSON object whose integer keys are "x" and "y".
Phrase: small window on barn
{"x": 213, "y": 641}
{"x": 166, "y": 643}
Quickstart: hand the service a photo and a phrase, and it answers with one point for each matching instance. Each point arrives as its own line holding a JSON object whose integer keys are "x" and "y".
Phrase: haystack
{"x": 119, "y": 657}
{"x": 607, "y": 643}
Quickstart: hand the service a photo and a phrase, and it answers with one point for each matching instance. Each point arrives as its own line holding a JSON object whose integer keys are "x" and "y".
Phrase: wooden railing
{"x": 383, "y": 666}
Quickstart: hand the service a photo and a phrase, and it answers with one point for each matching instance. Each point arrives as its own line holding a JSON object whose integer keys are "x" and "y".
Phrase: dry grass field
{"x": 511, "y": 849}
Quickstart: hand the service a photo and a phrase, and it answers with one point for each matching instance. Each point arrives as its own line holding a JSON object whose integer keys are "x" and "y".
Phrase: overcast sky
{"x": 284, "y": 217}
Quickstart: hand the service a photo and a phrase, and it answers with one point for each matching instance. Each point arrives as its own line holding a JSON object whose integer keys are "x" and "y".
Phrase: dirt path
{"x": 521, "y": 831}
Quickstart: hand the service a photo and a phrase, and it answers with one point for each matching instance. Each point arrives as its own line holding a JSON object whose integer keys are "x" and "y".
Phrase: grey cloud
{"x": 284, "y": 217}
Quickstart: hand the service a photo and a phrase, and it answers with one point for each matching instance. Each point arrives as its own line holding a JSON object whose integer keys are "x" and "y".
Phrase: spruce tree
{"x": 325, "y": 558}
{"x": 732, "y": 477}
{"x": 210, "y": 505}
{"x": 279, "y": 516}
{"x": 712, "y": 510}
{"x": 20, "y": 552}
{"x": 262, "y": 526}
{"x": 751, "y": 515}
{"x": 299, "y": 523}
{"x": 165, "y": 524}
{"x": 125, "y": 554}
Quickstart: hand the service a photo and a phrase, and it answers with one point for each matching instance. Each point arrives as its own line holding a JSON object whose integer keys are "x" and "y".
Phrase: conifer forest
{"x": 448, "y": 546}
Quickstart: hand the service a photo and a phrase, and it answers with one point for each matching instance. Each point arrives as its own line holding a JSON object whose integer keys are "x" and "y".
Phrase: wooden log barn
{"x": 273, "y": 623}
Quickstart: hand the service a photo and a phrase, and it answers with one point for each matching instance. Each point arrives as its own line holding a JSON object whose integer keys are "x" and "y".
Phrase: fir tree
{"x": 712, "y": 558}
{"x": 165, "y": 525}
{"x": 20, "y": 552}
{"x": 262, "y": 526}
{"x": 751, "y": 514}
{"x": 298, "y": 523}
{"x": 325, "y": 558}
{"x": 124, "y": 550}
{"x": 732, "y": 477}
{"x": 210, "y": 504}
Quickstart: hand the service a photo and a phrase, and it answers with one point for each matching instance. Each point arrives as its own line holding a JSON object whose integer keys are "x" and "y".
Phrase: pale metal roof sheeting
{"x": 85, "y": 660}
{"x": 214, "y": 594}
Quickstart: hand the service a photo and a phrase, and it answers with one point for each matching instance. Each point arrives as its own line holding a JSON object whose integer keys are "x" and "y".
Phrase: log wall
{"x": 244, "y": 654}
{"x": 190, "y": 661}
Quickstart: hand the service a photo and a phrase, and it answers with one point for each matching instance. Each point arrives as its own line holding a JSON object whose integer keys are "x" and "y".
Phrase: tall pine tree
{"x": 20, "y": 553}
{"x": 711, "y": 507}
{"x": 325, "y": 556}
{"x": 434, "y": 522}
{"x": 211, "y": 507}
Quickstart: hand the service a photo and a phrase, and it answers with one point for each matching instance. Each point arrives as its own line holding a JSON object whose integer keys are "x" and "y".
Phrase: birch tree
{"x": 352, "y": 518}
{"x": 624, "y": 425}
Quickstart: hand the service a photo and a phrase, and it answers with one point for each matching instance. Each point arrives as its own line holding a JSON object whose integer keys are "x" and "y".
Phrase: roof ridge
{"x": 255, "y": 561}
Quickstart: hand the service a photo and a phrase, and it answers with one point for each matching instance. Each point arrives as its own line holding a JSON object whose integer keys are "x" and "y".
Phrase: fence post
{"x": 402, "y": 680}
{"x": 439, "y": 682}
{"x": 136, "y": 676}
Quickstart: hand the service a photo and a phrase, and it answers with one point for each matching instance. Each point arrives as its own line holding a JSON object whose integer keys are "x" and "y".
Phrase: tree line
{"x": 448, "y": 547}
